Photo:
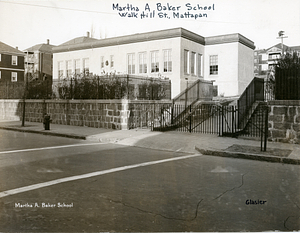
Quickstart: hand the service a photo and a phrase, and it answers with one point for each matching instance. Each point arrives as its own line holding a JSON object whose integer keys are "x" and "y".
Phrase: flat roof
{"x": 155, "y": 35}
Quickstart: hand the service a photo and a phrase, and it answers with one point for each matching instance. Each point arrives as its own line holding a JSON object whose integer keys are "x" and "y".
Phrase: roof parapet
{"x": 156, "y": 35}
{"x": 230, "y": 38}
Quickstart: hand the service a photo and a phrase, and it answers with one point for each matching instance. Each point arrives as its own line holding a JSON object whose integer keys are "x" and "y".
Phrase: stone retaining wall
{"x": 112, "y": 114}
{"x": 284, "y": 121}
{"x": 284, "y": 116}
{"x": 10, "y": 110}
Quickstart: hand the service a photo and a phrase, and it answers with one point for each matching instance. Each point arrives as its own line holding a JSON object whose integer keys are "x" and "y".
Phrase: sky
{"x": 25, "y": 23}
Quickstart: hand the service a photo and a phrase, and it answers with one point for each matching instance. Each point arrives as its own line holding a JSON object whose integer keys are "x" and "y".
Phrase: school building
{"x": 177, "y": 54}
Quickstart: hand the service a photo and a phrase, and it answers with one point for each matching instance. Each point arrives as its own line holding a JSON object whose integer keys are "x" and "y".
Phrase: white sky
{"x": 25, "y": 23}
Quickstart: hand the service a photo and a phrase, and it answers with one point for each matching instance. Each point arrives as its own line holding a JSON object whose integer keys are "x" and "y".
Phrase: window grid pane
{"x": 86, "y": 69}
{"x": 142, "y": 63}
{"x": 199, "y": 64}
{"x": 131, "y": 63}
{"x": 186, "y": 61}
{"x": 154, "y": 62}
{"x": 14, "y": 60}
{"x": 69, "y": 68}
{"x": 14, "y": 77}
{"x": 213, "y": 62}
{"x": 193, "y": 66}
{"x": 167, "y": 61}
{"x": 102, "y": 62}
{"x": 112, "y": 61}
{"x": 77, "y": 66}
{"x": 60, "y": 70}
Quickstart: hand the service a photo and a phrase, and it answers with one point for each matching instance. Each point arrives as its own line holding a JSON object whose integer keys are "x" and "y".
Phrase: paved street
{"x": 58, "y": 184}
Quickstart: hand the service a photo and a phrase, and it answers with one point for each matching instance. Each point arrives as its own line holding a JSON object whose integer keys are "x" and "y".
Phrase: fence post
{"x": 127, "y": 86}
{"x": 266, "y": 127}
{"x": 190, "y": 116}
{"x": 198, "y": 89}
{"x": 222, "y": 112}
{"x": 232, "y": 120}
{"x": 185, "y": 104}
{"x": 97, "y": 86}
{"x": 71, "y": 89}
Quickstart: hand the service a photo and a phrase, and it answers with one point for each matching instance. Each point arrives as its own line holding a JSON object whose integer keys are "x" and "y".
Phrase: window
{"x": 60, "y": 70}
{"x": 131, "y": 63}
{"x": 167, "y": 61}
{"x": 154, "y": 62}
{"x": 77, "y": 66}
{"x": 112, "y": 61}
{"x": 69, "y": 68}
{"x": 199, "y": 67}
{"x": 186, "y": 61}
{"x": 14, "y": 76}
{"x": 102, "y": 62}
{"x": 14, "y": 60}
{"x": 142, "y": 62}
{"x": 213, "y": 64}
{"x": 86, "y": 66}
{"x": 274, "y": 56}
{"x": 193, "y": 63}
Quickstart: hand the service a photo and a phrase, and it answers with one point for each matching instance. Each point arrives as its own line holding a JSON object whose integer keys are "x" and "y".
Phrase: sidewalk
{"x": 207, "y": 144}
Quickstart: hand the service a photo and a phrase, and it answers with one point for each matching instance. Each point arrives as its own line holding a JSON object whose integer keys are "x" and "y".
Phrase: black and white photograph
{"x": 149, "y": 116}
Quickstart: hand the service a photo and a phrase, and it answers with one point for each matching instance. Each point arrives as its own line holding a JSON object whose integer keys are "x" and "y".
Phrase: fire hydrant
{"x": 46, "y": 122}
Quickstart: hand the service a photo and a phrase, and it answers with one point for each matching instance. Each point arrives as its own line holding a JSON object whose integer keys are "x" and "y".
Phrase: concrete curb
{"x": 45, "y": 133}
{"x": 241, "y": 155}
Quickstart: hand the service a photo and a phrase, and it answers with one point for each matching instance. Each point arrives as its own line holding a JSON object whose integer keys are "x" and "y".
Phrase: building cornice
{"x": 230, "y": 38}
{"x": 135, "y": 38}
{"x": 156, "y": 35}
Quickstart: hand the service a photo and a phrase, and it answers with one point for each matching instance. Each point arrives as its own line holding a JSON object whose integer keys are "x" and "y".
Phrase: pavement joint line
{"x": 47, "y": 133}
{"x": 50, "y": 148}
{"x": 89, "y": 175}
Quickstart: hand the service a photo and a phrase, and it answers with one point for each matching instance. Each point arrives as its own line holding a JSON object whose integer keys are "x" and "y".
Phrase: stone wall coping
{"x": 284, "y": 102}
{"x": 11, "y": 100}
{"x": 91, "y": 101}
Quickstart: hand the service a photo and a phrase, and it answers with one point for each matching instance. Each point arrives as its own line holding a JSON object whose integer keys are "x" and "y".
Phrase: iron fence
{"x": 253, "y": 93}
{"x": 203, "y": 118}
{"x": 214, "y": 119}
{"x": 287, "y": 84}
{"x": 112, "y": 87}
{"x": 145, "y": 115}
{"x": 12, "y": 90}
{"x": 199, "y": 90}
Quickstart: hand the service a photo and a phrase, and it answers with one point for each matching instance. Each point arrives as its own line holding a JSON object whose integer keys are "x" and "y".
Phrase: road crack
{"x": 153, "y": 213}
{"x": 229, "y": 190}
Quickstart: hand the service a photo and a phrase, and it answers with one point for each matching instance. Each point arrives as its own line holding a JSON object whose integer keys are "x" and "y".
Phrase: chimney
{"x": 48, "y": 41}
{"x": 17, "y": 47}
{"x": 87, "y": 34}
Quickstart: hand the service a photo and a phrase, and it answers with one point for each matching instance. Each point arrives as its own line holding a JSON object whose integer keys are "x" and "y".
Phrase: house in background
{"x": 11, "y": 64}
{"x": 177, "y": 54}
{"x": 38, "y": 61}
{"x": 265, "y": 59}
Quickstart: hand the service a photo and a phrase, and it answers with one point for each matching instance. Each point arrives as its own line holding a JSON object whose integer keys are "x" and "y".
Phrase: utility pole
{"x": 281, "y": 36}
{"x": 25, "y": 90}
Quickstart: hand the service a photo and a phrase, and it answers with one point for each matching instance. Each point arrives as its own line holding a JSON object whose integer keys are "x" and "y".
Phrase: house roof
{"x": 285, "y": 47}
{"x": 79, "y": 40}
{"x": 41, "y": 48}
{"x": 297, "y": 48}
{"x": 84, "y": 43}
{"x": 6, "y": 49}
